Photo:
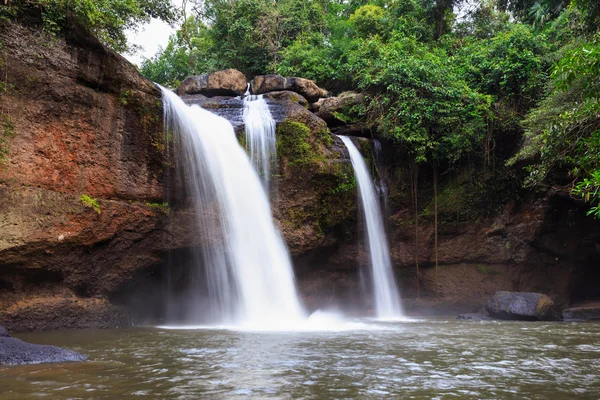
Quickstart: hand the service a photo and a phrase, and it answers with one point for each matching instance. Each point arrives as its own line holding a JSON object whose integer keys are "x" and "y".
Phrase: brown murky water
{"x": 424, "y": 359}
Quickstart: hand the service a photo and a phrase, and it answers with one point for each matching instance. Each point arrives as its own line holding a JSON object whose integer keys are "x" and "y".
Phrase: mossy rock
{"x": 295, "y": 145}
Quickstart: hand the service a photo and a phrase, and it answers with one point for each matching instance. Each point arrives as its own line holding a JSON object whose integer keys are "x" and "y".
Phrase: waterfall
{"x": 260, "y": 136}
{"x": 381, "y": 186}
{"x": 385, "y": 291}
{"x": 249, "y": 275}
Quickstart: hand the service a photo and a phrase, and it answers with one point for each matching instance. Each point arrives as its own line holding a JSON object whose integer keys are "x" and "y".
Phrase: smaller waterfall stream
{"x": 260, "y": 136}
{"x": 387, "y": 297}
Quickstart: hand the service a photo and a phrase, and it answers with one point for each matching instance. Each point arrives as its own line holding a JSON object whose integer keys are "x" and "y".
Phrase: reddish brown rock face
{"x": 83, "y": 122}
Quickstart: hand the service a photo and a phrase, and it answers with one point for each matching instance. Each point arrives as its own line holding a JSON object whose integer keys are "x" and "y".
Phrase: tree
{"x": 106, "y": 19}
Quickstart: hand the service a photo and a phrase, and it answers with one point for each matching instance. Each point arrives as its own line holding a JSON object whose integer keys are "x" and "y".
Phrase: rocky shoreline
{"x": 14, "y": 351}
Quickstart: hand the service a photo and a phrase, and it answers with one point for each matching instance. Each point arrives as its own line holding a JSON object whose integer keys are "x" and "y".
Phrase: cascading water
{"x": 387, "y": 297}
{"x": 381, "y": 186}
{"x": 260, "y": 136}
{"x": 249, "y": 275}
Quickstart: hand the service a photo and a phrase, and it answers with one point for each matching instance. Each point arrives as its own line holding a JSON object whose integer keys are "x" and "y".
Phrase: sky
{"x": 150, "y": 37}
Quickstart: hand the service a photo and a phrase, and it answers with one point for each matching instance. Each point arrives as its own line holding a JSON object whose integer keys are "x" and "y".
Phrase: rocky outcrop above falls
{"x": 229, "y": 82}
{"x": 273, "y": 83}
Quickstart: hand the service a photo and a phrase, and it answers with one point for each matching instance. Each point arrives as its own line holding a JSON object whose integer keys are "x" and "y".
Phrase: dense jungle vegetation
{"x": 506, "y": 85}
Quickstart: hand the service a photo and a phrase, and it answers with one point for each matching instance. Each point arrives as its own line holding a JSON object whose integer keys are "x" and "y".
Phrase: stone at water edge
{"x": 228, "y": 82}
{"x": 590, "y": 313}
{"x": 525, "y": 306}
{"x": 14, "y": 351}
{"x": 3, "y": 332}
{"x": 474, "y": 317}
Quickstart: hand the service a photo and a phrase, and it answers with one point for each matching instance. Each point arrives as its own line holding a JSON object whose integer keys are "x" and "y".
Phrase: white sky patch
{"x": 150, "y": 37}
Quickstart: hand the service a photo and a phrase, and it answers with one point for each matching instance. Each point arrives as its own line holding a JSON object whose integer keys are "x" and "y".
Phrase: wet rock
{"x": 521, "y": 306}
{"x": 474, "y": 317}
{"x": 326, "y": 108}
{"x": 17, "y": 352}
{"x": 3, "y": 332}
{"x": 271, "y": 83}
{"x": 287, "y": 95}
{"x": 591, "y": 313}
{"x": 228, "y": 82}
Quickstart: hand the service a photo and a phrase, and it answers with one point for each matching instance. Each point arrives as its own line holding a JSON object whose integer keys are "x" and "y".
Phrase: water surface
{"x": 424, "y": 359}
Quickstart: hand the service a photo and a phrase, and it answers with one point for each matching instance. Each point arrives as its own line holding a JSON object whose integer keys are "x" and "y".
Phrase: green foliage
{"x": 589, "y": 190}
{"x": 369, "y": 20}
{"x": 509, "y": 65}
{"x": 107, "y": 19}
{"x": 419, "y": 99}
{"x": 91, "y": 203}
{"x": 188, "y": 52}
{"x": 162, "y": 207}
{"x": 123, "y": 97}
{"x": 324, "y": 135}
{"x": 346, "y": 183}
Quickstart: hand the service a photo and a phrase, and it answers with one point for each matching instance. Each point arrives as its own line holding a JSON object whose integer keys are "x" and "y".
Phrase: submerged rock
{"x": 228, "y": 82}
{"x": 521, "y": 306}
{"x": 272, "y": 83}
{"x": 590, "y": 313}
{"x": 474, "y": 317}
{"x": 14, "y": 351}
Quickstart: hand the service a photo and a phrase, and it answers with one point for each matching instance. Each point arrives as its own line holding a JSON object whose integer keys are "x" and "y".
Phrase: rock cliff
{"x": 91, "y": 213}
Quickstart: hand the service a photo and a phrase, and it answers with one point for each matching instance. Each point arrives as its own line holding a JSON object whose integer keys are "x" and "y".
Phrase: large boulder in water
{"x": 14, "y": 351}
{"x": 271, "y": 83}
{"x": 521, "y": 306}
{"x": 228, "y": 82}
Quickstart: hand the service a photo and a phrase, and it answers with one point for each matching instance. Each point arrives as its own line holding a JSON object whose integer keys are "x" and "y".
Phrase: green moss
{"x": 90, "y": 202}
{"x": 293, "y": 143}
{"x": 324, "y": 135}
{"x": 162, "y": 207}
{"x": 124, "y": 96}
{"x": 485, "y": 270}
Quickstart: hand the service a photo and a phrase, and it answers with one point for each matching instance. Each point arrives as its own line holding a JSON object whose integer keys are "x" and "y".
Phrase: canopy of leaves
{"x": 107, "y": 19}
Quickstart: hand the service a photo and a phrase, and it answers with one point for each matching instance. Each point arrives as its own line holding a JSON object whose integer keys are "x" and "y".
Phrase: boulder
{"x": 262, "y": 84}
{"x": 588, "y": 313}
{"x": 272, "y": 83}
{"x": 287, "y": 95}
{"x": 17, "y": 352}
{"x": 326, "y": 108}
{"x": 521, "y": 306}
{"x": 228, "y": 82}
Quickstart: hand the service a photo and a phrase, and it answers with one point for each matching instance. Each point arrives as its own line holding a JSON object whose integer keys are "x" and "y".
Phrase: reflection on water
{"x": 420, "y": 360}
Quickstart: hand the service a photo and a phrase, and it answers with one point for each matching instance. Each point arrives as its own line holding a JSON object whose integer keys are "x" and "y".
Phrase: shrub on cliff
{"x": 106, "y": 19}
